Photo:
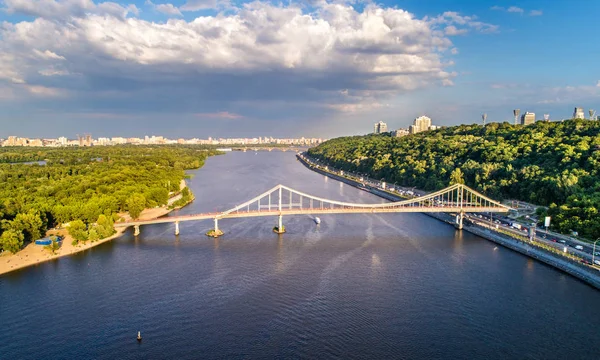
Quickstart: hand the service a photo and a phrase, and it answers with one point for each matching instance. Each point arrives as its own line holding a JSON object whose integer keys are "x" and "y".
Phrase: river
{"x": 402, "y": 286}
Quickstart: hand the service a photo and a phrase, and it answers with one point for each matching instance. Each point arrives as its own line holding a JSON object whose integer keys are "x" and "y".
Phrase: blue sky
{"x": 221, "y": 68}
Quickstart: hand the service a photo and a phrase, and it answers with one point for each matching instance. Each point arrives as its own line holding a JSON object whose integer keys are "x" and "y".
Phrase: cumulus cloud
{"x": 458, "y": 24}
{"x": 452, "y": 31}
{"x": 515, "y": 9}
{"x": 220, "y": 115}
{"x": 48, "y": 55}
{"x": 197, "y": 5}
{"x": 260, "y": 51}
{"x": 168, "y": 9}
{"x": 65, "y": 9}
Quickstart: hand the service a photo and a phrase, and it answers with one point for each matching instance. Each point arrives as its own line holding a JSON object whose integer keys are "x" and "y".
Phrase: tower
{"x": 484, "y": 118}
{"x": 592, "y": 114}
{"x": 546, "y": 117}
{"x": 516, "y": 113}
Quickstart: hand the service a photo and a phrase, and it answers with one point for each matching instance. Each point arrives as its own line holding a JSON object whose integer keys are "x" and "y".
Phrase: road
{"x": 558, "y": 243}
{"x": 552, "y": 239}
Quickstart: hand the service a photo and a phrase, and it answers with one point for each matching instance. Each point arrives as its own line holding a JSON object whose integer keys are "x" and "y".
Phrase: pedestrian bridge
{"x": 282, "y": 200}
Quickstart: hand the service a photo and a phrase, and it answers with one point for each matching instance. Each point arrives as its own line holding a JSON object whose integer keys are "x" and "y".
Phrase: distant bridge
{"x": 282, "y": 200}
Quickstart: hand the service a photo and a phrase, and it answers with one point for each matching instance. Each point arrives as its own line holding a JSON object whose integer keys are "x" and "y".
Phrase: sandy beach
{"x": 34, "y": 254}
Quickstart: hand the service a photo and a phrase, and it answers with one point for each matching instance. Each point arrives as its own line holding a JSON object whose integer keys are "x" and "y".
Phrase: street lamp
{"x": 594, "y": 251}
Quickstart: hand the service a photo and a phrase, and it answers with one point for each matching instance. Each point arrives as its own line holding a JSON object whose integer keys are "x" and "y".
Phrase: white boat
{"x": 317, "y": 220}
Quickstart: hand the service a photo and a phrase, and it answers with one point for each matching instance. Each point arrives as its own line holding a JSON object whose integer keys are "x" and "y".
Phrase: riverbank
{"x": 34, "y": 254}
{"x": 569, "y": 266}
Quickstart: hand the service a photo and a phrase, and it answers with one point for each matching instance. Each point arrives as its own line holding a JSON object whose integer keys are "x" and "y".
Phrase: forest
{"x": 555, "y": 164}
{"x": 86, "y": 187}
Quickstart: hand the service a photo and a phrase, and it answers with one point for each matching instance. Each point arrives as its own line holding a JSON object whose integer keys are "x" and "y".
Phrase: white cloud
{"x": 53, "y": 72}
{"x": 373, "y": 52}
{"x": 168, "y": 9}
{"x": 454, "y": 51}
{"x": 48, "y": 55}
{"x": 43, "y": 91}
{"x": 459, "y": 24}
{"x": 515, "y": 9}
{"x": 452, "y": 31}
{"x": 220, "y": 115}
{"x": 197, "y": 5}
{"x": 65, "y": 9}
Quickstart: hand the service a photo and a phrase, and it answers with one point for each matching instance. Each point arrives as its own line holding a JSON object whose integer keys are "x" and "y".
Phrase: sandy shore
{"x": 34, "y": 254}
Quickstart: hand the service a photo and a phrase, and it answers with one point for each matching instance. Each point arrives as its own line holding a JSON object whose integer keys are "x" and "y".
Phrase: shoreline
{"x": 33, "y": 254}
{"x": 565, "y": 265}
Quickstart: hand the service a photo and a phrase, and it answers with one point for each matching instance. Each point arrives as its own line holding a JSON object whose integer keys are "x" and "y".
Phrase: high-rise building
{"x": 578, "y": 113}
{"x": 422, "y": 123}
{"x": 528, "y": 118}
{"x": 400, "y": 132}
{"x": 380, "y": 127}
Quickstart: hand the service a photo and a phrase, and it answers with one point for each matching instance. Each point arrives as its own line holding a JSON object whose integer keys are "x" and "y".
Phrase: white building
{"x": 578, "y": 113}
{"x": 380, "y": 127}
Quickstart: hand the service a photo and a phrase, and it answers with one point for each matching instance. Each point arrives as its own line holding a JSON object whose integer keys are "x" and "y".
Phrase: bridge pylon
{"x": 215, "y": 232}
{"x": 136, "y": 230}
{"x": 459, "y": 220}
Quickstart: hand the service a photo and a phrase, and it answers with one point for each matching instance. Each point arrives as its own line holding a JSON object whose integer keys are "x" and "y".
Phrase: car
{"x": 585, "y": 261}
{"x": 578, "y": 247}
{"x": 562, "y": 241}
{"x": 597, "y": 253}
{"x": 553, "y": 240}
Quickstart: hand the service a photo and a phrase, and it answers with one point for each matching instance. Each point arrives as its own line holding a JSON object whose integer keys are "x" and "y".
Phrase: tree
{"x": 136, "y": 204}
{"x": 11, "y": 240}
{"x": 457, "y": 177}
{"x": 104, "y": 226}
{"x": 53, "y": 246}
{"x": 78, "y": 230}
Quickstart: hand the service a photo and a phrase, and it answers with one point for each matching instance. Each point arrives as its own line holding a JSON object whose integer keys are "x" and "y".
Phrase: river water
{"x": 402, "y": 286}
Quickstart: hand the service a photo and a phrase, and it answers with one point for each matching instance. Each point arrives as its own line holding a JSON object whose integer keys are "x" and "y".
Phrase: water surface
{"x": 357, "y": 286}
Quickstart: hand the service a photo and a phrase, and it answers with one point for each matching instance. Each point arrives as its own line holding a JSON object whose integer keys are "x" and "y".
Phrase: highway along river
{"x": 402, "y": 286}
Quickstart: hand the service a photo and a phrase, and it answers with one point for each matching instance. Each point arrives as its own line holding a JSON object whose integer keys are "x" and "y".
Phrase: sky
{"x": 315, "y": 68}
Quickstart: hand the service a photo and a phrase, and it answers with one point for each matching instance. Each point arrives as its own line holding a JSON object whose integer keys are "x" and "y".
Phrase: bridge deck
{"x": 313, "y": 211}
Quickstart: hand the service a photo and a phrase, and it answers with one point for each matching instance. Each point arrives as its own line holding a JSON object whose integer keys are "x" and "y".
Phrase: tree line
{"x": 555, "y": 164}
{"x": 86, "y": 187}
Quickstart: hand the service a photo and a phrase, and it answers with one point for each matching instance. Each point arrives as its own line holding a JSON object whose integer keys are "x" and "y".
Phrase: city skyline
{"x": 308, "y": 69}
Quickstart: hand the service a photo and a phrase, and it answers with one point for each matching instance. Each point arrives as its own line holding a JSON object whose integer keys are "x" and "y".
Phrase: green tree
{"x": 11, "y": 240}
{"x": 53, "y": 246}
{"x": 104, "y": 226}
{"x": 457, "y": 177}
{"x": 78, "y": 230}
{"x": 135, "y": 204}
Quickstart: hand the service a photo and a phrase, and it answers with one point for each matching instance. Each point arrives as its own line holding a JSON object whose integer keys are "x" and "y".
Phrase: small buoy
{"x": 496, "y": 248}
{"x": 139, "y": 338}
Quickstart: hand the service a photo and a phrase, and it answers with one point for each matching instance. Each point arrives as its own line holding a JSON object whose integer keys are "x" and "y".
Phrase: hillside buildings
{"x": 578, "y": 113}
{"x": 528, "y": 118}
{"x": 420, "y": 124}
{"x": 87, "y": 140}
{"x": 380, "y": 127}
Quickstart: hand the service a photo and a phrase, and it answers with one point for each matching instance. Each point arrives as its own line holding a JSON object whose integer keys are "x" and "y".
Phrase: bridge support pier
{"x": 279, "y": 229}
{"x": 176, "y": 228}
{"x": 215, "y": 232}
{"x": 459, "y": 220}
{"x": 136, "y": 230}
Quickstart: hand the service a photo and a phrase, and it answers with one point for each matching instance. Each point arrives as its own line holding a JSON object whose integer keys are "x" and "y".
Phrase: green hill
{"x": 547, "y": 163}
